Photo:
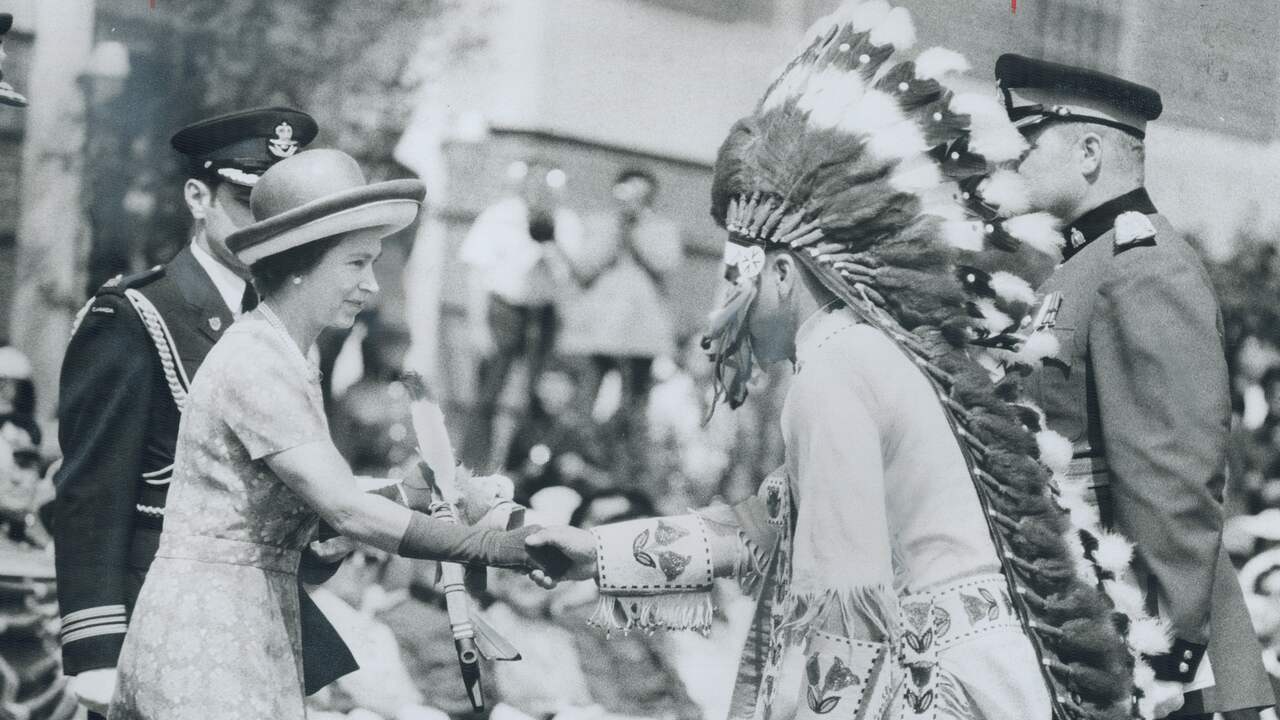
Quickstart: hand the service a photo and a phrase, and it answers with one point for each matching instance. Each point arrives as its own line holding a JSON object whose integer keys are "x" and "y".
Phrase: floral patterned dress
{"x": 215, "y": 631}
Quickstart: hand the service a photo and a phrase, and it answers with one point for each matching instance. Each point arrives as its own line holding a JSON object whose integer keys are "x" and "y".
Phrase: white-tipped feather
{"x": 1083, "y": 515}
{"x": 917, "y": 176}
{"x": 844, "y": 13}
{"x": 991, "y": 134}
{"x": 1037, "y": 347}
{"x": 1011, "y": 288}
{"x": 939, "y": 201}
{"x": 877, "y": 111}
{"x": 963, "y": 234}
{"x": 993, "y": 320}
{"x": 936, "y": 62}
{"x": 897, "y": 142}
{"x": 1040, "y": 414}
{"x": 1143, "y": 675}
{"x": 1055, "y": 451}
{"x": 1149, "y": 636}
{"x": 825, "y": 84}
{"x": 896, "y": 30}
{"x": 828, "y": 96}
{"x": 997, "y": 142}
{"x": 823, "y": 25}
{"x": 1007, "y": 192}
{"x": 791, "y": 85}
{"x": 1144, "y": 678}
{"x": 1114, "y": 553}
{"x": 867, "y": 15}
{"x": 1126, "y": 597}
{"x": 1039, "y": 230}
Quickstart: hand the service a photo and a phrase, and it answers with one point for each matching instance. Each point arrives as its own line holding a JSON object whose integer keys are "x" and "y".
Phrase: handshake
{"x": 549, "y": 554}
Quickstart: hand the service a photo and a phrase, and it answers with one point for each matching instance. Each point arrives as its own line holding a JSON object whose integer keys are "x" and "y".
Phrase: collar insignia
{"x": 283, "y": 145}
{"x": 1133, "y": 227}
{"x": 1077, "y": 238}
{"x": 215, "y": 323}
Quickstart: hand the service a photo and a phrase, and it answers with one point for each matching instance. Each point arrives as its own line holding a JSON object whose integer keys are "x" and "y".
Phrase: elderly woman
{"x": 214, "y": 633}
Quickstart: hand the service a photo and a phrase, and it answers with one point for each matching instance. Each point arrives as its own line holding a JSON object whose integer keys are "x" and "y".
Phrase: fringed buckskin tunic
{"x": 879, "y": 592}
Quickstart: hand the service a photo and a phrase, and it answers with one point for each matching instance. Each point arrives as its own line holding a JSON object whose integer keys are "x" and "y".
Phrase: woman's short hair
{"x": 273, "y": 271}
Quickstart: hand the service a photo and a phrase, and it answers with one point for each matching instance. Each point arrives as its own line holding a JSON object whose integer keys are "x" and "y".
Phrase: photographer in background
{"x": 621, "y": 320}
{"x": 516, "y": 254}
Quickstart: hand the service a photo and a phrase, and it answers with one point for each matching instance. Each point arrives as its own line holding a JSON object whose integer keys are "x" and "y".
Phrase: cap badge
{"x": 1132, "y": 227}
{"x": 283, "y": 145}
{"x": 215, "y": 323}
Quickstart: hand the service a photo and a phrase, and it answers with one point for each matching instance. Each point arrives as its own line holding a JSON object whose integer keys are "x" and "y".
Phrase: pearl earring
{"x": 297, "y": 279}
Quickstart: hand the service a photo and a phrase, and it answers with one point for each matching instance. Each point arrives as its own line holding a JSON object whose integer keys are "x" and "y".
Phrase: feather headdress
{"x": 856, "y": 152}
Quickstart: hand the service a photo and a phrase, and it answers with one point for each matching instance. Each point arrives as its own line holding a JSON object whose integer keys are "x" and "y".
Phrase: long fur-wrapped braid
{"x": 879, "y": 157}
{"x": 1071, "y": 624}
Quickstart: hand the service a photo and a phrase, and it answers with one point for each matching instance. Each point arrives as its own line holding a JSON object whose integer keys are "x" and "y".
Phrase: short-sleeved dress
{"x": 215, "y": 631}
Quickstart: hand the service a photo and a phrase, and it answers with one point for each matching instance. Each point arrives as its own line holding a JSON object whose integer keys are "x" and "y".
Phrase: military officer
{"x": 1140, "y": 386}
{"x": 136, "y": 346}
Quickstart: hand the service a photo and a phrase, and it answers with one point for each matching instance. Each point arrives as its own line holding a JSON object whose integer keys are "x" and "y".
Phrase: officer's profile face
{"x": 1050, "y": 170}
{"x": 227, "y": 211}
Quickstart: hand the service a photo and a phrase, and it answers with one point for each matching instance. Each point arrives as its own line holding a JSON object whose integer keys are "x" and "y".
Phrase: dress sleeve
{"x": 267, "y": 400}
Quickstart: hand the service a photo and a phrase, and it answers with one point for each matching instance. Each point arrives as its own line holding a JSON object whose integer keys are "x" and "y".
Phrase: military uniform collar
{"x": 1100, "y": 220}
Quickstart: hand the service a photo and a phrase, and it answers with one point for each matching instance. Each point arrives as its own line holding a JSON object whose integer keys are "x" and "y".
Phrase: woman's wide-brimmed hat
{"x": 317, "y": 194}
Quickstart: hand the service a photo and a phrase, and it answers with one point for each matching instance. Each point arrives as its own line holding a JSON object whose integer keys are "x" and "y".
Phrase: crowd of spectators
{"x": 592, "y": 401}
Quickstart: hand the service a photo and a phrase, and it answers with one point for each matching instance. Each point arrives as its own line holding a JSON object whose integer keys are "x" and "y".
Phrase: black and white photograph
{"x": 639, "y": 359}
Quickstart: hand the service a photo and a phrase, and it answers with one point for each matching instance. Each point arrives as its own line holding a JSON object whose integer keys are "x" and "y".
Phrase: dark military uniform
{"x": 119, "y": 414}
{"x": 1140, "y": 389}
{"x": 118, "y": 426}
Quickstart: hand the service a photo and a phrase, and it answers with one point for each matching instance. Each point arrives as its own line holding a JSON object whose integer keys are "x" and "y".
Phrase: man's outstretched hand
{"x": 565, "y": 553}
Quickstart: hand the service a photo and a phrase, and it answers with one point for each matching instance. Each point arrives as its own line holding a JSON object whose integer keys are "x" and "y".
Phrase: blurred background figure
{"x": 383, "y": 687}
{"x": 370, "y": 419}
{"x": 25, "y": 491}
{"x": 620, "y": 319}
{"x": 516, "y": 255}
{"x": 17, "y": 393}
{"x": 559, "y": 444}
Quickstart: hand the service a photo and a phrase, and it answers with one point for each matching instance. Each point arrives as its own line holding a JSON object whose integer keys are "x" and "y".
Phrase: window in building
{"x": 756, "y": 11}
{"x": 1073, "y": 29}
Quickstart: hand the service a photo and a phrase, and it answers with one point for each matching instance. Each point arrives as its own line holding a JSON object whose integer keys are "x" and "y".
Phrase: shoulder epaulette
{"x": 120, "y": 283}
{"x": 1133, "y": 229}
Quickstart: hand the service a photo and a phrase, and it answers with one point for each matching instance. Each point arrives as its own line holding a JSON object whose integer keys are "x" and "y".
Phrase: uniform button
{"x": 1184, "y": 668}
{"x": 1187, "y": 654}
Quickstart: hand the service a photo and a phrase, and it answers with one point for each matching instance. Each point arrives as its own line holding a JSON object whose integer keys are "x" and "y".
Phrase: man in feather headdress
{"x": 1141, "y": 387}
{"x": 909, "y": 559}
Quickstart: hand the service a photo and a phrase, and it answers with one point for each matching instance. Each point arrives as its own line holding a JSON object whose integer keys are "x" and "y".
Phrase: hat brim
{"x": 382, "y": 208}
